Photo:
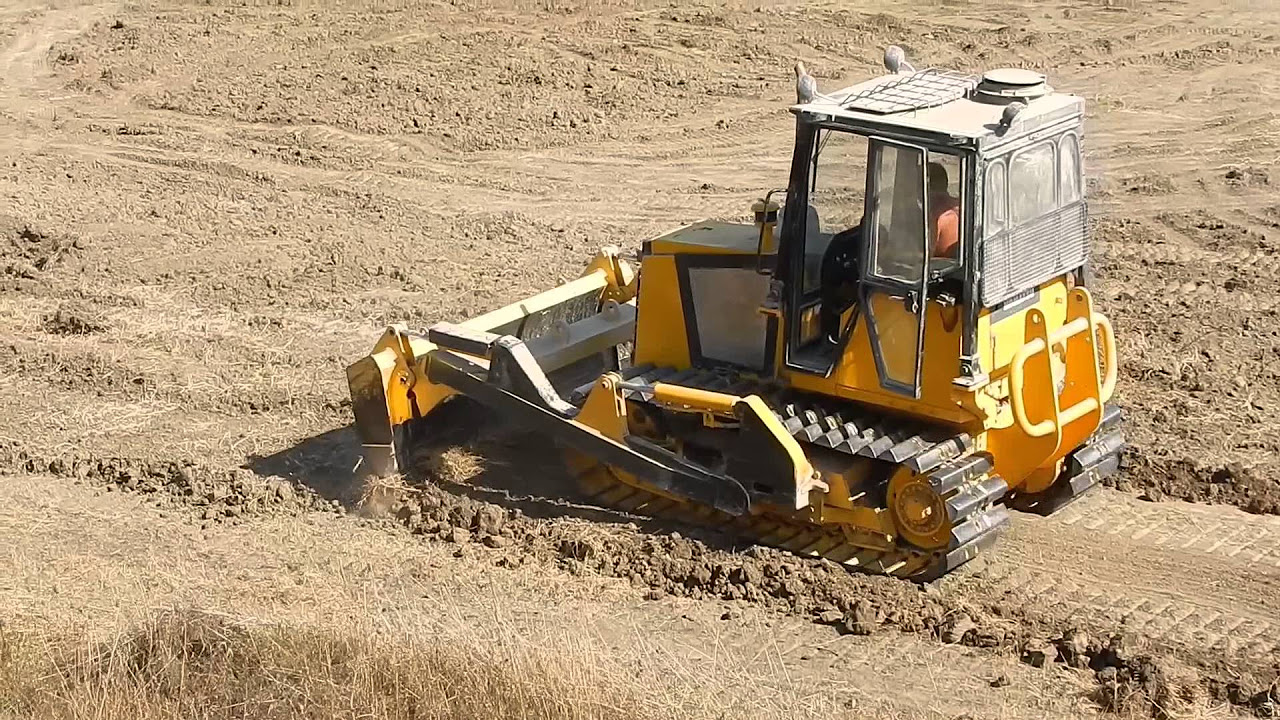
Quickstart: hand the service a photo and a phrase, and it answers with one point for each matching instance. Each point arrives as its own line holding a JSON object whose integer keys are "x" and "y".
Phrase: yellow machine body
{"x": 1018, "y": 414}
{"x": 714, "y": 383}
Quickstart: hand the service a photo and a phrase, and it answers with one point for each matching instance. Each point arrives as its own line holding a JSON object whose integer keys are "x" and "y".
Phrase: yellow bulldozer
{"x": 875, "y": 380}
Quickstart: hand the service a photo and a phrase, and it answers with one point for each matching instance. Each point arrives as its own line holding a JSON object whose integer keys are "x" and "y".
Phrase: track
{"x": 1102, "y": 562}
{"x": 969, "y": 490}
{"x": 1200, "y": 583}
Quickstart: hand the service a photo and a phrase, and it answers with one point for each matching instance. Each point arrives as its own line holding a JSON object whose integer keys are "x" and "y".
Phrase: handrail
{"x": 1108, "y": 339}
{"x": 1016, "y": 368}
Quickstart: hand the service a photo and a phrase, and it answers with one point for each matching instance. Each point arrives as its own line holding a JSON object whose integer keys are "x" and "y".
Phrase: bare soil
{"x": 209, "y": 209}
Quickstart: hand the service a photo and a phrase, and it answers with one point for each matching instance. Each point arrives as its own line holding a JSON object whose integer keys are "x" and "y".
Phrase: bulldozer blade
{"x": 569, "y": 332}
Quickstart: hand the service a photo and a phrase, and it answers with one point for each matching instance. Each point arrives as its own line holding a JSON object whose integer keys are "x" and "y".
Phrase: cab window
{"x": 1069, "y": 168}
{"x": 902, "y": 178}
{"x": 996, "y": 196}
{"x": 942, "y": 178}
{"x": 1032, "y": 175}
{"x": 836, "y": 196}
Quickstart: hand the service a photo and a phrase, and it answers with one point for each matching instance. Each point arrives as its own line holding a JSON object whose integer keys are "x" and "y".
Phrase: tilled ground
{"x": 1137, "y": 670}
{"x": 209, "y": 210}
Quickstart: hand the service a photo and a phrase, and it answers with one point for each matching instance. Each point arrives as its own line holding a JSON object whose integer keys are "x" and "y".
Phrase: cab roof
{"x": 946, "y": 103}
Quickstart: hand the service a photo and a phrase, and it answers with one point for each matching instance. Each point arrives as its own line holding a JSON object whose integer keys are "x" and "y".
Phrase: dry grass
{"x": 378, "y": 494}
{"x": 456, "y": 465}
{"x": 199, "y": 666}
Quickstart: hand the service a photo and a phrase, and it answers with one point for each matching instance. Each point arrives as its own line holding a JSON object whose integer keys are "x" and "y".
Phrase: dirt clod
{"x": 489, "y": 520}
{"x": 1074, "y": 648}
{"x": 1247, "y": 176}
{"x": 746, "y": 575}
{"x": 73, "y": 320}
{"x": 211, "y": 492}
{"x": 1039, "y": 653}
{"x": 576, "y": 549}
{"x": 831, "y": 617}
{"x": 989, "y": 635}
{"x": 863, "y": 619}
{"x": 1196, "y": 481}
{"x": 958, "y": 628}
{"x": 27, "y": 252}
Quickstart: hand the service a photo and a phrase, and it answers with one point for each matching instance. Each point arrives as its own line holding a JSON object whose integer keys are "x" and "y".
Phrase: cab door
{"x": 895, "y": 277}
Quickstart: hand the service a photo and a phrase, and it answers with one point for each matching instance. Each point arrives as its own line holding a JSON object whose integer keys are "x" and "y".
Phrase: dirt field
{"x": 208, "y": 209}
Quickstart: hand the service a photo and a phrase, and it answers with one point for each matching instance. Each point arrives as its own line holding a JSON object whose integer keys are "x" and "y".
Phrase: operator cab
{"x": 921, "y": 189}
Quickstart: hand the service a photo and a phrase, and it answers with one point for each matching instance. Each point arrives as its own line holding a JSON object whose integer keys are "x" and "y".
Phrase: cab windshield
{"x": 838, "y": 182}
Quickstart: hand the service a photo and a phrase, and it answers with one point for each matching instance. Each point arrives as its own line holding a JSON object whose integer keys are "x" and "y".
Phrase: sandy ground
{"x": 96, "y": 562}
{"x": 208, "y": 209}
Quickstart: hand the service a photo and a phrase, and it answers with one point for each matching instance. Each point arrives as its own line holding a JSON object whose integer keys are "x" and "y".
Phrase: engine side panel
{"x": 1002, "y": 329}
{"x": 661, "y": 336}
{"x": 699, "y": 300}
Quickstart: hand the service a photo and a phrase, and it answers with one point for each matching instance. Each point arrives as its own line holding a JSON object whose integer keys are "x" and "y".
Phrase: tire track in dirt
{"x": 1202, "y": 581}
{"x": 1188, "y": 254}
{"x": 24, "y": 62}
{"x": 1174, "y": 292}
{"x": 1180, "y": 527}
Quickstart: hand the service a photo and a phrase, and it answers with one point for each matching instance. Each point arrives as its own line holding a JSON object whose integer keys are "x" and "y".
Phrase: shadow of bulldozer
{"x": 463, "y": 449}
{"x": 329, "y": 463}
{"x": 324, "y": 463}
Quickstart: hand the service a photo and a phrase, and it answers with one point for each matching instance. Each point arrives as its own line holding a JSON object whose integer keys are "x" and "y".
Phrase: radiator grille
{"x": 1020, "y": 259}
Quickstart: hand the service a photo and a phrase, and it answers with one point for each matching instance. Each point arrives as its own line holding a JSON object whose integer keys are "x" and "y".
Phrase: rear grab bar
{"x": 1104, "y": 336}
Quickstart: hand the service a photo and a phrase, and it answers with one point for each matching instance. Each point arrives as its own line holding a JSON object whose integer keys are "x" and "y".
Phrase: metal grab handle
{"x": 1016, "y": 365}
{"x": 1108, "y": 339}
{"x": 1016, "y": 368}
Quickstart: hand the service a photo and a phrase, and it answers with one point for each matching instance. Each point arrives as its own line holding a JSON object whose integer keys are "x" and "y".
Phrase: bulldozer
{"x": 899, "y": 350}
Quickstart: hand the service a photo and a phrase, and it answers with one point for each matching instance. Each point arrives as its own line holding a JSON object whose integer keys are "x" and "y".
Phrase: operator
{"x": 944, "y": 212}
